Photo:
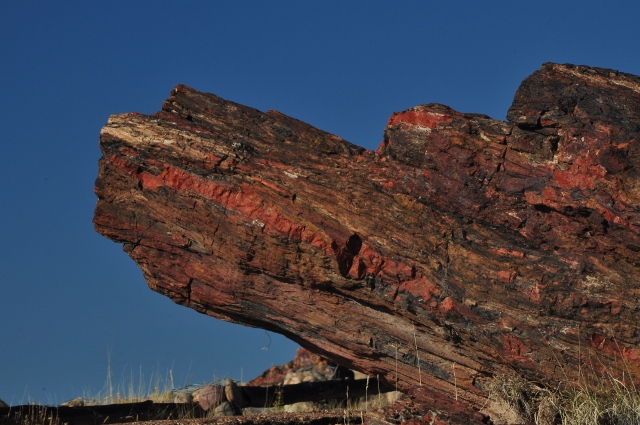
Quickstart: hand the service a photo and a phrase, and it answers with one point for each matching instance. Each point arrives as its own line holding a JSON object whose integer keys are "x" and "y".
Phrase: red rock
{"x": 492, "y": 246}
{"x": 304, "y": 358}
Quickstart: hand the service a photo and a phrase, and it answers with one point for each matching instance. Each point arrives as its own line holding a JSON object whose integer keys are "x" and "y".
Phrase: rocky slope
{"x": 462, "y": 248}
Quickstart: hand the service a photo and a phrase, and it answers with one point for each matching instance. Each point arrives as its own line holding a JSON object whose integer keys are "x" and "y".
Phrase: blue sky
{"x": 71, "y": 300}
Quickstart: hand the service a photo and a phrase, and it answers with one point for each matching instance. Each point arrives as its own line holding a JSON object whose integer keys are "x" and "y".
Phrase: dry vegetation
{"x": 596, "y": 399}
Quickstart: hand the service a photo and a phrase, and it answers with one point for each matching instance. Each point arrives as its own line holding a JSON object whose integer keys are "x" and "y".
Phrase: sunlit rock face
{"x": 461, "y": 248}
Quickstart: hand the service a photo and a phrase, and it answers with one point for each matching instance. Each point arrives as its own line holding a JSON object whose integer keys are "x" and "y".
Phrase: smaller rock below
{"x": 224, "y": 409}
{"x": 3, "y": 404}
{"x": 234, "y": 395}
{"x": 303, "y": 362}
{"x": 210, "y": 396}
{"x": 304, "y": 374}
{"x": 183, "y": 397}
{"x": 76, "y": 402}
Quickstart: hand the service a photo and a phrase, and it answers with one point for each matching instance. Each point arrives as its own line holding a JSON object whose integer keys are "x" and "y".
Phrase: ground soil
{"x": 327, "y": 417}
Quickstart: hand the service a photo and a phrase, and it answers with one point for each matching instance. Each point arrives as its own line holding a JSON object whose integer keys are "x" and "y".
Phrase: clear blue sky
{"x": 68, "y": 296}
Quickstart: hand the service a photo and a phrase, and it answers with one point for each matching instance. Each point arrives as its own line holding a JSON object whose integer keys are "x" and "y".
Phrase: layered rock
{"x": 462, "y": 248}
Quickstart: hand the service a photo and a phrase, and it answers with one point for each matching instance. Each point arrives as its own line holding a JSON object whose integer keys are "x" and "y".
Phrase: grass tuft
{"x": 36, "y": 415}
{"x": 594, "y": 400}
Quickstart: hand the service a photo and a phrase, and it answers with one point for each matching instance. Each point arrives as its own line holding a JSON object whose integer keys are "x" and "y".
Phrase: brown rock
{"x": 225, "y": 409}
{"x": 182, "y": 397}
{"x": 462, "y": 248}
{"x": 304, "y": 360}
{"x": 76, "y": 402}
{"x": 234, "y": 395}
{"x": 209, "y": 396}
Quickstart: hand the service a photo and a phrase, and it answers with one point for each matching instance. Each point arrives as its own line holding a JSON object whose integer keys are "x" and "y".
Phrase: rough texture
{"x": 331, "y": 417}
{"x": 463, "y": 247}
{"x": 304, "y": 367}
{"x": 304, "y": 361}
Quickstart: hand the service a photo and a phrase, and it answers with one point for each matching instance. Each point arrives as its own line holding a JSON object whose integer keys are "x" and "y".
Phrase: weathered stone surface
{"x": 304, "y": 365}
{"x": 463, "y": 247}
{"x": 209, "y": 396}
{"x": 76, "y": 402}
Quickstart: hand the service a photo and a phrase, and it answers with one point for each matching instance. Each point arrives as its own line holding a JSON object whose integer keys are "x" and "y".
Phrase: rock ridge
{"x": 462, "y": 248}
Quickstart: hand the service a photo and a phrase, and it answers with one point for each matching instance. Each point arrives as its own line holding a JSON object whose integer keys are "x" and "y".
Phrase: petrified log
{"x": 251, "y": 396}
{"x": 463, "y": 247}
{"x": 270, "y": 396}
{"x": 340, "y": 390}
{"x": 99, "y": 414}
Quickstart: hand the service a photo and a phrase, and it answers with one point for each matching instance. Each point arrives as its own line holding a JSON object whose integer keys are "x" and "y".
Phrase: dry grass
{"x": 35, "y": 415}
{"x": 130, "y": 390}
{"x": 597, "y": 399}
{"x": 605, "y": 400}
{"x": 134, "y": 388}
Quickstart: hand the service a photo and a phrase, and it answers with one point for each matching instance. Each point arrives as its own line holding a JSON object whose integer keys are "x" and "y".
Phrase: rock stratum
{"x": 462, "y": 248}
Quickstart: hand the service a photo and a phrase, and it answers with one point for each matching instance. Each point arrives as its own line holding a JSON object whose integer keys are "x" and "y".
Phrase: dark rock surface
{"x": 463, "y": 247}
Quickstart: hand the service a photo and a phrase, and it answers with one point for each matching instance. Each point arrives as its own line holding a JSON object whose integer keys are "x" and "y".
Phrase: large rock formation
{"x": 462, "y": 248}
